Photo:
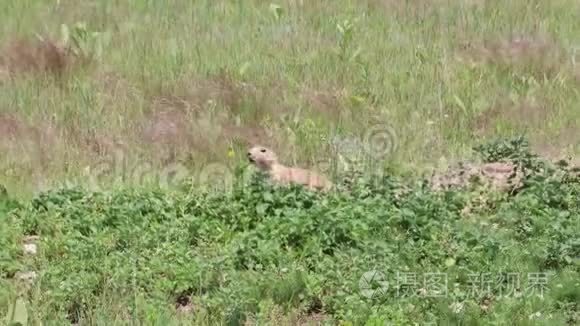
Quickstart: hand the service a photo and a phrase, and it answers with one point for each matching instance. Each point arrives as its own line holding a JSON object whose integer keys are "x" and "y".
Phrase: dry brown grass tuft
{"x": 174, "y": 134}
{"x": 245, "y": 136}
{"x": 539, "y": 54}
{"x": 327, "y": 103}
{"x": 168, "y": 132}
{"x": 211, "y": 115}
{"x": 250, "y": 102}
{"x": 13, "y": 130}
{"x": 277, "y": 316}
{"x": 25, "y": 143}
{"x": 315, "y": 319}
{"x": 10, "y": 127}
{"x": 101, "y": 144}
{"x": 564, "y": 143}
{"x": 527, "y": 113}
{"x": 40, "y": 56}
{"x": 418, "y": 9}
{"x": 195, "y": 95}
{"x": 524, "y": 116}
{"x": 115, "y": 89}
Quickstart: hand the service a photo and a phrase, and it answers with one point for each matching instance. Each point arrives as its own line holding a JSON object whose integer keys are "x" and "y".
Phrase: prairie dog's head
{"x": 262, "y": 157}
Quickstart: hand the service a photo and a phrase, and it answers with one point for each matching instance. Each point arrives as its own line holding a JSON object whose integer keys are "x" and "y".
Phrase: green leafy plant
{"x": 346, "y": 30}
{"x": 276, "y": 11}
{"x": 83, "y": 42}
{"x": 229, "y": 255}
{"x": 515, "y": 150}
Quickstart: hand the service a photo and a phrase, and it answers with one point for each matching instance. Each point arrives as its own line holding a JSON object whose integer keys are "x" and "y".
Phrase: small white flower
{"x": 30, "y": 248}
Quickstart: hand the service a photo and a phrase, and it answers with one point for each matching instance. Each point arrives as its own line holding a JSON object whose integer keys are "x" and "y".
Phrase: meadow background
{"x": 189, "y": 82}
{"x": 117, "y": 94}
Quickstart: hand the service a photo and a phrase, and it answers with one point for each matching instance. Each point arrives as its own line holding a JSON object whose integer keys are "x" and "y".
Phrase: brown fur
{"x": 266, "y": 160}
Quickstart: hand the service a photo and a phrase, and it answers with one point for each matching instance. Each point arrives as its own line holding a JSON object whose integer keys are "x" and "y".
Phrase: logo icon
{"x": 373, "y": 284}
{"x": 380, "y": 141}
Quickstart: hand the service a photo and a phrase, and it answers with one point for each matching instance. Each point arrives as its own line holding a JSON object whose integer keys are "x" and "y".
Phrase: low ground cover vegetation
{"x": 380, "y": 249}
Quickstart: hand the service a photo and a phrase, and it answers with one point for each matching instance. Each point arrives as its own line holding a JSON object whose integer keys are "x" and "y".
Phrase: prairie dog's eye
{"x": 263, "y": 150}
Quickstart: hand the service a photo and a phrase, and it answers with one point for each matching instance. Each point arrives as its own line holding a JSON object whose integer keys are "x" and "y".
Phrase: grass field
{"x": 132, "y": 99}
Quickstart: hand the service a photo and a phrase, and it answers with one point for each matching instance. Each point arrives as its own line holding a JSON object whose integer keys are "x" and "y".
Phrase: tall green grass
{"x": 318, "y": 69}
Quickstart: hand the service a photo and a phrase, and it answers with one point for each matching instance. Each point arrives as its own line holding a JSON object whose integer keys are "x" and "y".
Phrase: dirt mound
{"x": 498, "y": 175}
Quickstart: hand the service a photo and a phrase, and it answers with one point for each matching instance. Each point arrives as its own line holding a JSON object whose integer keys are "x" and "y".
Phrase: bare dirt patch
{"x": 184, "y": 305}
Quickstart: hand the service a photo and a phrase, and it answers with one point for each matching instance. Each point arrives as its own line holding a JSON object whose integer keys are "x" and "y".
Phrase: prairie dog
{"x": 267, "y": 161}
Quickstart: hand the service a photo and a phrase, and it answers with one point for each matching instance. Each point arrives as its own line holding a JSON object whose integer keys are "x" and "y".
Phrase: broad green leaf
{"x": 19, "y": 315}
{"x": 449, "y": 262}
{"x": 64, "y": 34}
{"x": 244, "y": 68}
{"x": 276, "y": 11}
{"x": 459, "y": 103}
